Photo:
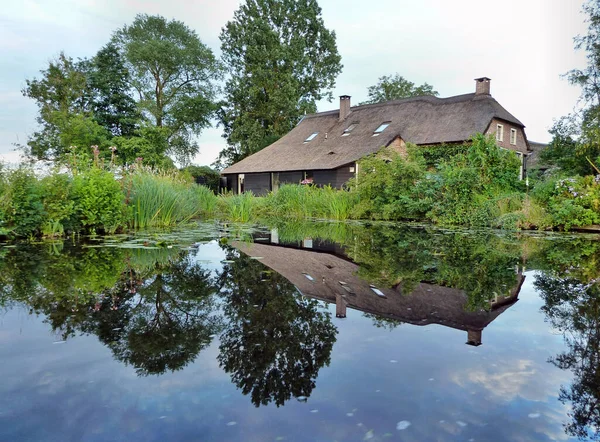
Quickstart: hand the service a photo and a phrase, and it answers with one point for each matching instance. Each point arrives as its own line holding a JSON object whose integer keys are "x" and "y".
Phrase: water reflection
{"x": 159, "y": 309}
{"x": 455, "y": 281}
{"x": 275, "y": 341}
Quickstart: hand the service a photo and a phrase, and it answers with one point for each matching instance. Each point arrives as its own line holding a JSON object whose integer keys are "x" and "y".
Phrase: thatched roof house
{"x": 333, "y": 279}
{"x": 324, "y": 147}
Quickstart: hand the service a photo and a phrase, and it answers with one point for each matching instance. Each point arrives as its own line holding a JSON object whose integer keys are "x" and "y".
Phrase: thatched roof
{"x": 426, "y": 304}
{"x": 419, "y": 120}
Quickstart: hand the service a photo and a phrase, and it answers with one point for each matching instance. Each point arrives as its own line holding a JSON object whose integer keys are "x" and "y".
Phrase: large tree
{"x": 62, "y": 96}
{"x": 173, "y": 74}
{"x": 282, "y": 59}
{"x": 576, "y": 137}
{"x": 395, "y": 87}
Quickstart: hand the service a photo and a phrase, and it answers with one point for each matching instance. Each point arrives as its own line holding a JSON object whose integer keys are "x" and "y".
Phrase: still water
{"x": 304, "y": 332}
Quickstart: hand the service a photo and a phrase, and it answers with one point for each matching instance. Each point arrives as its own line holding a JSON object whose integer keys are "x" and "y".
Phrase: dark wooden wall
{"x": 290, "y": 177}
{"x": 335, "y": 178}
{"x": 257, "y": 183}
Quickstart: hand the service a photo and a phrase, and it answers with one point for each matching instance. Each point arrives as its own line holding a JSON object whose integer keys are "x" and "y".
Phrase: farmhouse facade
{"x": 324, "y": 147}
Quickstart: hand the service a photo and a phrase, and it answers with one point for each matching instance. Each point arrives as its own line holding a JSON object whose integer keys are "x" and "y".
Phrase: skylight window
{"x": 381, "y": 128}
{"x": 311, "y": 137}
{"x": 349, "y": 129}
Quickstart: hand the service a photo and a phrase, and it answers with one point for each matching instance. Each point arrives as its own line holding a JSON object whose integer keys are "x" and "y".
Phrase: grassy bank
{"x": 476, "y": 187}
{"x": 97, "y": 200}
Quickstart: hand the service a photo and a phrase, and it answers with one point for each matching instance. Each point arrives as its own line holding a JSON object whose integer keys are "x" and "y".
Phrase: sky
{"x": 524, "y": 46}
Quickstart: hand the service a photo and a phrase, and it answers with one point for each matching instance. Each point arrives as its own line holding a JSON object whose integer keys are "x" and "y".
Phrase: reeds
{"x": 163, "y": 199}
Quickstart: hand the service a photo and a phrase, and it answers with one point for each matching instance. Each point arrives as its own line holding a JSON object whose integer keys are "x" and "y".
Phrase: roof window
{"x": 381, "y": 128}
{"x": 349, "y": 129}
{"x": 311, "y": 137}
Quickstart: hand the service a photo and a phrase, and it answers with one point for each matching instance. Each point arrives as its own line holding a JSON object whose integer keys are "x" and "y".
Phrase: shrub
{"x": 98, "y": 201}
{"x": 21, "y": 211}
{"x": 58, "y": 204}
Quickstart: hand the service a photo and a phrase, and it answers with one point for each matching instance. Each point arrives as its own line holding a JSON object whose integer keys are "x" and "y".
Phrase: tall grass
{"x": 309, "y": 202}
{"x": 238, "y": 208}
{"x": 164, "y": 199}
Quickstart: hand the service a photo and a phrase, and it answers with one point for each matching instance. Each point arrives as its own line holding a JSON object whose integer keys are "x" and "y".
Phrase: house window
{"x": 381, "y": 128}
{"x": 513, "y": 137}
{"x": 311, "y": 137}
{"x": 499, "y": 132}
{"x": 349, "y": 129}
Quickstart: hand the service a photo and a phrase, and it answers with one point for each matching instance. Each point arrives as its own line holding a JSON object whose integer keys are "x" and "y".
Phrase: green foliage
{"x": 99, "y": 201}
{"x": 204, "y": 175}
{"x": 21, "y": 208}
{"x": 59, "y": 206}
{"x": 110, "y": 99}
{"x": 391, "y": 187}
{"x": 434, "y": 155}
{"x": 282, "y": 60}
{"x": 469, "y": 181}
{"x": 395, "y": 87}
{"x": 60, "y": 95}
{"x": 576, "y": 137}
{"x": 302, "y": 201}
{"x": 150, "y": 144}
{"x": 163, "y": 199}
{"x": 238, "y": 208}
{"x": 571, "y": 202}
{"x": 173, "y": 73}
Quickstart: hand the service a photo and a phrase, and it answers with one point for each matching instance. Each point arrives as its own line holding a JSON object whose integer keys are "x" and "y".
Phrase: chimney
{"x": 482, "y": 86}
{"x": 344, "y": 106}
{"x": 340, "y": 306}
{"x": 474, "y": 337}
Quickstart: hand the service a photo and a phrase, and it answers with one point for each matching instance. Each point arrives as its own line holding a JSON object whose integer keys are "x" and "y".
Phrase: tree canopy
{"x": 173, "y": 74}
{"x": 575, "y": 144}
{"x": 281, "y": 59}
{"x": 394, "y": 87}
{"x": 150, "y": 91}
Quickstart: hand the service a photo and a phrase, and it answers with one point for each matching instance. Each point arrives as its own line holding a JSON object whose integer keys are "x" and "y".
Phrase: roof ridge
{"x": 426, "y": 98}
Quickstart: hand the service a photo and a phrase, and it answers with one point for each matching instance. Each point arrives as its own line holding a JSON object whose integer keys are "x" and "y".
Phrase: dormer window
{"x": 381, "y": 128}
{"x": 349, "y": 129}
{"x": 311, "y": 137}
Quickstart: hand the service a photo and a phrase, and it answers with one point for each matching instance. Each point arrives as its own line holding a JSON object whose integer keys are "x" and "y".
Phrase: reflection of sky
{"x": 424, "y": 375}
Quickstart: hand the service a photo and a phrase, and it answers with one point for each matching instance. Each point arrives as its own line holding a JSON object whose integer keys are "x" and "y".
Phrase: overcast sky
{"x": 523, "y": 45}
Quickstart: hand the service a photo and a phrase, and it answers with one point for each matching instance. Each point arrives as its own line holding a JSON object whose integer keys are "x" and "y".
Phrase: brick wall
{"x": 521, "y": 145}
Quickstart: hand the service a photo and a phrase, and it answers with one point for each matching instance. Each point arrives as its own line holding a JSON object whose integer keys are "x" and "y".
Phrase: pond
{"x": 302, "y": 332}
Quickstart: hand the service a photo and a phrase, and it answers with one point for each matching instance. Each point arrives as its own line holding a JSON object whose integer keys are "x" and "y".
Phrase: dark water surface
{"x": 306, "y": 332}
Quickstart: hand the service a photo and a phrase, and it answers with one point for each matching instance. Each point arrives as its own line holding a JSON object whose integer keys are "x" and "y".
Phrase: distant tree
{"x": 282, "y": 59}
{"x": 576, "y": 137}
{"x": 204, "y": 175}
{"x": 173, "y": 74}
{"x": 394, "y": 87}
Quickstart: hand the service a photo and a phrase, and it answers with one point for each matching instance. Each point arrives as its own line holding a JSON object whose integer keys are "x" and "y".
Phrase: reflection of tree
{"x": 276, "y": 340}
{"x": 163, "y": 321}
{"x": 574, "y": 308}
{"x": 153, "y": 308}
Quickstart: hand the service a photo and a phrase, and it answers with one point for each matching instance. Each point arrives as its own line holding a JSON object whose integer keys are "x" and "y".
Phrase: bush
{"x": 391, "y": 187}
{"x": 21, "y": 209}
{"x": 99, "y": 202}
{"x": 571, "y": 202}
{"x": 58, "y": 204}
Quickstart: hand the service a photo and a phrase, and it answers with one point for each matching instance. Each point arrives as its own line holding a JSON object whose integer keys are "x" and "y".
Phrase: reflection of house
{"x": 334, "y": 279}
{"x": 324, "y": 147}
